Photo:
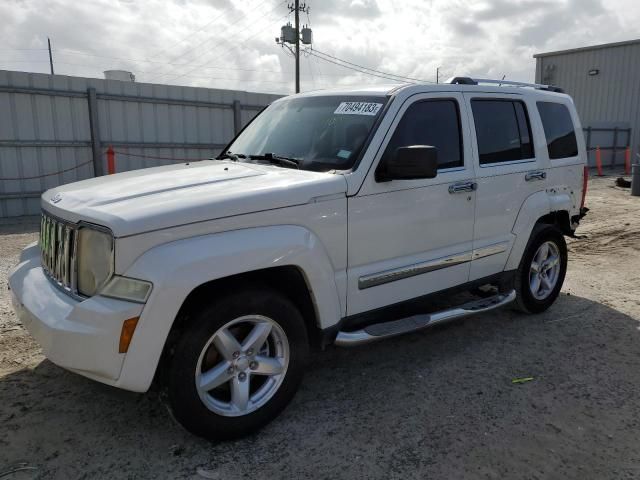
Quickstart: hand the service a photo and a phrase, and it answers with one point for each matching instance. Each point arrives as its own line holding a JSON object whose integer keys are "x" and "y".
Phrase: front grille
{"x": 58, "y": 242}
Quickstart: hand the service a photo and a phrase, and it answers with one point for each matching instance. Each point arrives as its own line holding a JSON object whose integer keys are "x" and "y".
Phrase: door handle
{"x": 463, "y": 187}
{"x": 531, "y": 176}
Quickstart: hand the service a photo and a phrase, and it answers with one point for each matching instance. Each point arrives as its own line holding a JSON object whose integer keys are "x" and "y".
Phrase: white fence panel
{"x": 55, "y": 129}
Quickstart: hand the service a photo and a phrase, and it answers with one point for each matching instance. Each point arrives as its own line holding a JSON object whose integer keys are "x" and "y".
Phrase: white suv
{"x": 322, "y": 222}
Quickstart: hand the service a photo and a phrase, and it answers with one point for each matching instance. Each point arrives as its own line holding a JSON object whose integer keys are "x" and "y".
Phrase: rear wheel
{"x": 238, "y": 365}
{"x": 542, "y": 270}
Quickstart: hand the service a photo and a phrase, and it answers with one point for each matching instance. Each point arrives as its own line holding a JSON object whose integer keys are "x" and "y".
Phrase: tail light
{"x": 585, "y": 183}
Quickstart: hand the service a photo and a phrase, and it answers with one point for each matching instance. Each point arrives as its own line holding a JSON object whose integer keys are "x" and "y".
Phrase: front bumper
{"x": 82, "y": 336}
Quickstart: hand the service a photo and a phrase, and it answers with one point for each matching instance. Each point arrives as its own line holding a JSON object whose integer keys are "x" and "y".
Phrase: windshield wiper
{"x": 231, "y": 156}
{"x": 273, "y": 158}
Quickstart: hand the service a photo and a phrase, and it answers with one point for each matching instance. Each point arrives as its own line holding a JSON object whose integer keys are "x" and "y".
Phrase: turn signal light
{"x": 128, "y": 327}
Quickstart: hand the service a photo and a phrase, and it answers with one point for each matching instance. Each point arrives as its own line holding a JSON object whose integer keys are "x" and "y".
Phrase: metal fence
{"x": 612, "y": 141}
{"x": 55, "y": 129}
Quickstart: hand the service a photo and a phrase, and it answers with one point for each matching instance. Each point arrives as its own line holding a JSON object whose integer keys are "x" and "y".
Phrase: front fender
{"x": 177, "y": 268}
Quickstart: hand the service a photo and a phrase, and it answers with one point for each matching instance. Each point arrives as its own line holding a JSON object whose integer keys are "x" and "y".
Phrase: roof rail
{"x": 462, "y": 81}
{"x": 478, "y": 81}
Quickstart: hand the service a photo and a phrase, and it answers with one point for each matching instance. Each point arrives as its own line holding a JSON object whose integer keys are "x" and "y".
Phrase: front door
{"x": 408, "y": 238}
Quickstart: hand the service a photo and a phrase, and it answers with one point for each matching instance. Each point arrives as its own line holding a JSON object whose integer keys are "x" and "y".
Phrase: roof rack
{"x": 478, "y": 81}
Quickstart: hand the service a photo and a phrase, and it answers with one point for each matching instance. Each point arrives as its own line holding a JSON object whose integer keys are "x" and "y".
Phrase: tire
{"x": 530, "y": 299}
{"x": 268, "y": 376}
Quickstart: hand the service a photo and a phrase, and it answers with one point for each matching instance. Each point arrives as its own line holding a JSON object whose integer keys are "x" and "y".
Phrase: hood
{"x": 161, "y": 197}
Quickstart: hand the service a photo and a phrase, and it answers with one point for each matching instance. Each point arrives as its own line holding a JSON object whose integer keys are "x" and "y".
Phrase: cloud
{"x": 583, "y": 18}
{"x": 504, "y": 9}
{"x": 332, "y": 10}
{"x": 230, "y": 44}
{"x": 366, "y": 8}
{"x": 466, "y": 28}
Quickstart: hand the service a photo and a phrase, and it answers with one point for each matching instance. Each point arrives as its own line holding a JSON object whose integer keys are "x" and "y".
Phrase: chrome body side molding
{"x": 368, "y": 281}
{"x": 387, "y": 276}
{"x": 489, "y": 250}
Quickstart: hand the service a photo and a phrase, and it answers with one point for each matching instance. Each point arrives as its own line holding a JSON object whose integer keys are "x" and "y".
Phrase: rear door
{"x": 508, "y": 170}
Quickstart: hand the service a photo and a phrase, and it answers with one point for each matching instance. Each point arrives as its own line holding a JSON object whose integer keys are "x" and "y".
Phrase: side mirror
{"x": 410, "y": 163}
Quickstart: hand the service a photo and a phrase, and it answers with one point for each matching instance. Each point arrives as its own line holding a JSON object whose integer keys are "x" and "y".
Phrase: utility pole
{"x": 297, "y": 27}
{"x": 50, "y": 56}
{"x": 438, "y": 75}
{"x": 294, "y": 35}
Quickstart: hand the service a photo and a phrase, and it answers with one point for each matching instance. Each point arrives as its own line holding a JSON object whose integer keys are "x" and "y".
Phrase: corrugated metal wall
{"x": 609, "y": 99}
{"x": 52, "y": 123}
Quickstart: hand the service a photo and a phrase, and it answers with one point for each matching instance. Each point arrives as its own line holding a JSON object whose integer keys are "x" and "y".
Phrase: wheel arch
{"x": 288, "y": 280}
{"x": 539, "y": 208}
{"x": 559, "y": 219}
{"x": 287, "y": 258}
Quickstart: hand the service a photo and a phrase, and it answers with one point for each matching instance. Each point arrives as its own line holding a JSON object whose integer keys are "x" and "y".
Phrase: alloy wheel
{"x": 242, "y": 365}
{"x": 544, "y": 271}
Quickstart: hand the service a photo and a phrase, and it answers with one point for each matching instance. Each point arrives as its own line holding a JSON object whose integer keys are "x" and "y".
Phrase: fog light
{"x": 124, "y": 288}
{"x": 128, "y": 327}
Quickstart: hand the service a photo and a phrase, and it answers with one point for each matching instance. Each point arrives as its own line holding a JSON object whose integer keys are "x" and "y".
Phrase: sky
{"x": 231, "y": 44}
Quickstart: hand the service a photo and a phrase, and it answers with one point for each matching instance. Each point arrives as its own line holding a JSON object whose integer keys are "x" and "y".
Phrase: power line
{"x": 203, "y": 66}
{"x": 140, "y": 61}
{"x": 159, "y": 52}
{"x": 204, "y": 76}
{"x": 222, "y": 38}
{"x": 208, "y": 37}
{"x": 319, "y": 69}
{"x": 311, "y": 52}
{"x": 165, "y": 49}
{"x": 313, "y": 80}
{"x": 23, "y": 49}
{"x": 230, "y": 50}
{"x": 403, "y": 77}
{"x": 191, "y": 76}
{"x": 171, "y": 73}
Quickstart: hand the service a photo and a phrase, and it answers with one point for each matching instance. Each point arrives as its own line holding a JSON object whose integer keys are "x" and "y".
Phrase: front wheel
{"x": 238, "y": 365}
{"x": 542, "y": 270}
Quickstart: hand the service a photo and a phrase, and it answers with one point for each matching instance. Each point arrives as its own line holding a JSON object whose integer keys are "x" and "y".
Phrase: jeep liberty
{"x": 323, "y": 222}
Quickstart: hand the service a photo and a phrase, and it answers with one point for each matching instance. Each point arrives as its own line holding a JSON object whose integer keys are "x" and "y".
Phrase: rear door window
{"x": 431, "y": 122}
{"x": 503, "y": 130}
{"x": 558, "y": 130}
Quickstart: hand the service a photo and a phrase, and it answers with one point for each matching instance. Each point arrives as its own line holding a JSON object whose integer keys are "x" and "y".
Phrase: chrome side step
{"x": 393, "y": 328}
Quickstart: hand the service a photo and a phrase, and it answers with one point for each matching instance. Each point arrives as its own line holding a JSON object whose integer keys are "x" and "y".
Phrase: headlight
{"x": 95, "y": 260}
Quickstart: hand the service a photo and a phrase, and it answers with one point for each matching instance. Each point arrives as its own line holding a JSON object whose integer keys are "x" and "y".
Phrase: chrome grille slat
{"x": 57, "y": 247}
{"x": 66, "y": 280}
{"x": 60, "y": 261}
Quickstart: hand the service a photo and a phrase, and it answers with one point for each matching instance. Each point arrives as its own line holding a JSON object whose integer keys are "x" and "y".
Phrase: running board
{"x": 393, "y": 328}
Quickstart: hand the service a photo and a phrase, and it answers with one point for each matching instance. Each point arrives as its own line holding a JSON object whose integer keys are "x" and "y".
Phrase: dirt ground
{"x": 434, "y": 404}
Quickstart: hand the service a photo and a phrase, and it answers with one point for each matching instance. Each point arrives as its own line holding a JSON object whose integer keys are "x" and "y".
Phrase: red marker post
{"x": 599, "y": 161}
{"x": 111, "y": 161}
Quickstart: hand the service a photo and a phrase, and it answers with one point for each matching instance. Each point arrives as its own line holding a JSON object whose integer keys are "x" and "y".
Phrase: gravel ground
{"x": 433, "y": 404}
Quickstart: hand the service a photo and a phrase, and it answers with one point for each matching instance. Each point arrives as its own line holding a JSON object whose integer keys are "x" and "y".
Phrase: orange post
{"x": 599, "y": 161}
{"x": 111, "y": 161}
{"x": 627, "y": 161}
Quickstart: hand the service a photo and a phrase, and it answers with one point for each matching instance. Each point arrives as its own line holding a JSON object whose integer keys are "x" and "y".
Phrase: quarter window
{"x": 431, "y": 122}
{"x": 503, "y": 130}
{"x": 558, "y": 130}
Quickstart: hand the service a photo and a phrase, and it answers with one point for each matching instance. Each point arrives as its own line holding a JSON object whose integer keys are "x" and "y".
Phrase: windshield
{"x": 321, "y": 133}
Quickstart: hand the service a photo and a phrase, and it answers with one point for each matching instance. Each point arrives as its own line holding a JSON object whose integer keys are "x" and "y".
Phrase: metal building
{"x": 604, "y": 81}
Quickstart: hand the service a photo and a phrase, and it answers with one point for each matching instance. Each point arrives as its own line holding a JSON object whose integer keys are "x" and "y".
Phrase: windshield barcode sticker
{"x": 357, "y": 108}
